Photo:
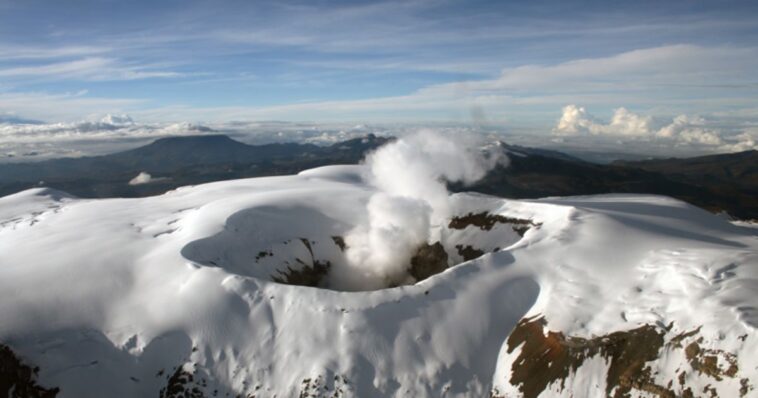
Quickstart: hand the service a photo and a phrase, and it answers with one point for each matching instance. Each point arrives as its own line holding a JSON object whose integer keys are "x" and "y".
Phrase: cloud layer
{"x": 22, "y": 140}
{"x": 576, "y": 131}
{"x": 683, "y": 130}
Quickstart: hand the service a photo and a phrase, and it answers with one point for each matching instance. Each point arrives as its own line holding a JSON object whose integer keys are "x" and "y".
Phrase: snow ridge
{"x": 126, "y": 297}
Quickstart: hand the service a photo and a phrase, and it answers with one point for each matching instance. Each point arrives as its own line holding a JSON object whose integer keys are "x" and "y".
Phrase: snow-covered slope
{"x": 154, "y": 296}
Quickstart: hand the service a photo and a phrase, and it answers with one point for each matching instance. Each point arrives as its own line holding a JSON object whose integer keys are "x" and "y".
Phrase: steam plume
{"x": 411, "y": 203}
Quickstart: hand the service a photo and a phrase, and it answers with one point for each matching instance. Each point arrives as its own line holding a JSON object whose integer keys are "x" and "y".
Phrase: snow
{"x": 105, "y": 294}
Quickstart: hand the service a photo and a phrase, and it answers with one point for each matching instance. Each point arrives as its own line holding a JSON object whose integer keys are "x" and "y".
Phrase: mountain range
{"x": 374, "y": 280}
{"x": 719, "y": 183}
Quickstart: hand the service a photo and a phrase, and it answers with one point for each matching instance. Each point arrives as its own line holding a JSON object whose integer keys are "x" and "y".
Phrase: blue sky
{"x": 515, "y": 64}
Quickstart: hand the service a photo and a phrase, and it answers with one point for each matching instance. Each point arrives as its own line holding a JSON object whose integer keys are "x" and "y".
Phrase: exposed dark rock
{"x": 308, "y": 275}
{"x": 705, "y": 361}
{"x": 263, "y": 254}
{"x": 745, "y": 387}
{"x": 676, "y": 341}
{"x": 429, "y": 260}
{"x": 520, "y": 229}
{"x": 486, "y": 221}
{"x": 307, "y": 245}
{"x": 18, "y": 380}
{"x": 181, "y": 385}
{"x": 546, "y": 357}
{"x": 468, "y": 252}
{"x": 340, "y": 242}
{"x": 320, "y": 387}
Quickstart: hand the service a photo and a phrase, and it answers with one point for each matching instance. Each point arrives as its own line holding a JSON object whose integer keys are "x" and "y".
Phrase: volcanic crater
{"x": 258, "y": 243}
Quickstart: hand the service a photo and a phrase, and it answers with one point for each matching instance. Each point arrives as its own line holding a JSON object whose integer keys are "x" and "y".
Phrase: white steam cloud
{"x": 145, "y": 178}
{"x": 141, "y": 178}
{"x": 410, "y": 204}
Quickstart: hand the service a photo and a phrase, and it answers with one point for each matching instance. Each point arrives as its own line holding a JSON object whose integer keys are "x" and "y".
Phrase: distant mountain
{"x": 169, "y": 154}
{"x": 521, "y": 151}
{"x": 178, "y": 161}
{"x": 717, "y": 183}
{"x": 163, "y": 155}
{"x": 735, "y": 169}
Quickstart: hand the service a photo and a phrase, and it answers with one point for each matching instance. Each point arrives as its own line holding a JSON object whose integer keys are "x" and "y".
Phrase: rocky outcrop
{"x": 429, "y": 260}
{"x": 19, "y": 380}
{"x": 545, "y": 360}
{"x": 486, "y": 221}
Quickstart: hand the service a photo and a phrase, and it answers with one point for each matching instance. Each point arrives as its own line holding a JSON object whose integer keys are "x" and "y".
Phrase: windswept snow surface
{"x": 108, "y": 297}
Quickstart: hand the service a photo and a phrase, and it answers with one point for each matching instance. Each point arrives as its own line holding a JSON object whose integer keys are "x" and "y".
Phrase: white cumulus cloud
{"x": 690, "y": 130}
{"x": 683, "y": 130}
{"x": 575, "y": 120}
